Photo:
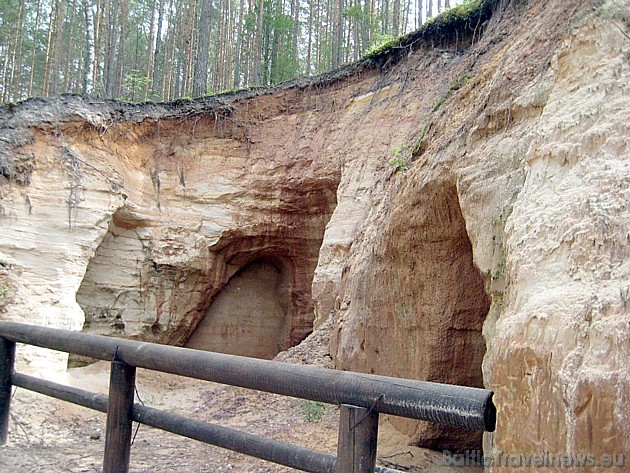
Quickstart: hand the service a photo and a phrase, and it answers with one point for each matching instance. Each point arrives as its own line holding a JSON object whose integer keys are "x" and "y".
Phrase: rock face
{"x": 456, "y": 213}
{"x": 421, "y": 281}
{"x": 249, "y": 316}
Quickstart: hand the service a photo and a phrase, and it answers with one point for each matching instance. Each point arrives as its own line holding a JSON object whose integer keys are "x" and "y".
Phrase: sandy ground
{"x": 53, "y": 436}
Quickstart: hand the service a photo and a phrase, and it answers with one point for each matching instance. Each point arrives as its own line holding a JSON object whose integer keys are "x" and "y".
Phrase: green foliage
{"x": 399, "y": 165}
{"x": 417, "y": 147}
{"x": 400, "y": 159}
{"x": 4, "y": 290}
{"x": 286, "y": 65}
{"x": 440, "y": 101}
{"x": 459, "y": 83}
{"x": 458, "y": 13}
{"x": 458, "y": 19}
{"x": 500, "y": 248}
{"x": 455, "y": 85}
{"x": 499, "y": 269}
{"x": 464, "y": 8}
{"x": 355, "y": 12}
{"x": 134, "y": 85}
{"x": 73, "y": 47}
{"x": 279, "y": 57}
{"x": 312, "y": 411}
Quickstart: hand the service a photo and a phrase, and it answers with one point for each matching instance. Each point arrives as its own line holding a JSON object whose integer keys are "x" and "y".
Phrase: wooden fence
{"x": 361, "y": 398}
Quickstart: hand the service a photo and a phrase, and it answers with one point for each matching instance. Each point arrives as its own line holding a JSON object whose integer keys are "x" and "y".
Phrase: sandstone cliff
{"x": 457, "y": 205}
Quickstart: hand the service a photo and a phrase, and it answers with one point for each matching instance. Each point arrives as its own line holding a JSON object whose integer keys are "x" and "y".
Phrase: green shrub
{"x": 400, "y": 159}
{"x": 312, "y": 411}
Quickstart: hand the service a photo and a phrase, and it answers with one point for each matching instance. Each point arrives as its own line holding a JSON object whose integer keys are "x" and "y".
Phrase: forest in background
{"x": 140, "y": 50}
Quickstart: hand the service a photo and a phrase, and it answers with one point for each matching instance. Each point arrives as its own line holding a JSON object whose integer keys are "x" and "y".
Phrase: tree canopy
{"x": 167, "y": 49}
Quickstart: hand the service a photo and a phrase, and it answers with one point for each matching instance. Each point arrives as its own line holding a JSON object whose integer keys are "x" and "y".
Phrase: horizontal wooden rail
{"x": 361, "y": 398}
{"x": 441, "y": 403}
{"x": 231, "y": 439}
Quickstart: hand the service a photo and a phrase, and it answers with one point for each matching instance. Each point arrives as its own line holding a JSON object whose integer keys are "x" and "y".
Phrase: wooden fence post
{"x": 356, "y": 448}
{"x": 122, "y": 384}
{"x": 7, "y": 362}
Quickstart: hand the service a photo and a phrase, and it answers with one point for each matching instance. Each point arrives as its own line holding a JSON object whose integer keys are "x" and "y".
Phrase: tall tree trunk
{"x": 337, "y": 33}
{"x": 200, "y": 81}
{"x": 179, "y": 50}
{"x": 34, "y": 52}
{"x": 347, "y": 46}
{"x": 406, "y": 15}
{"x": 169, "y": 55}
{"x": 109, "y": 71}
{"x": 238, "y": 53}
{"x": 49, "y": 47}
{"x": 158, "y": 68}
{"x": 149, "y": 58}
{"x": 258, "y": 44}
{"x": 229, "y": 46}
{"x": 275, "y": 45}
{"x": 366, "y": 25}
{"x": 248, "y": 47}
{"x": 295, "y": 36}
{"x": 56, "y": 62}
{"x": 189, "y": 47}
{"x": 356, "y": 31}
{"x": 120, "y": 61}
{"x": 88, "y": 54}
{"x": 16, "y": 70}
{"x": 66, "y": 73}
{"x": 97, "y": 67}
{"x": 310, "y": 37}
{"x": 9, "y": 53}
{"x": 5, "y": 75}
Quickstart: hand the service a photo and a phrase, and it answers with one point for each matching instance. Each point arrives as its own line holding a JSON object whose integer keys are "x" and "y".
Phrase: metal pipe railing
{"x": 362, "y": 396}
{"x": 271, "y": 450}
{"x": 435, "y": 402}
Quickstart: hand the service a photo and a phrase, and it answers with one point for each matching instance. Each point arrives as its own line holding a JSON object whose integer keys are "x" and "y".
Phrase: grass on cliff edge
{"x": 450, "y": 24}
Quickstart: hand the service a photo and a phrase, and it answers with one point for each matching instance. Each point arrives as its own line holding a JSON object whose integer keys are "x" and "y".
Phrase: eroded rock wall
{"x": 498, "y": 258}
{"x": 148, "y": 221}
{"x": 535, "y": 145}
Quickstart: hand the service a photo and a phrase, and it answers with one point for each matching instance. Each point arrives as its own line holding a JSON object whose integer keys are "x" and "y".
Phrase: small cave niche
{"x": 111, "y": 293}
{"x": 251, "y": 315}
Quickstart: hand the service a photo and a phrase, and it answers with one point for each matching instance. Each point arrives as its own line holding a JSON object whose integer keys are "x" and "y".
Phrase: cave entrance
{"x": 426, "y": 303}
{"x": 251, "y": 315}
{"x": 450, "y": 304}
